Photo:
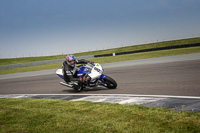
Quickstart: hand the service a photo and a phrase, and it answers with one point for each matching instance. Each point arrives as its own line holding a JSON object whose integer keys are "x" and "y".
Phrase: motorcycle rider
{"x": 70, "y": 69}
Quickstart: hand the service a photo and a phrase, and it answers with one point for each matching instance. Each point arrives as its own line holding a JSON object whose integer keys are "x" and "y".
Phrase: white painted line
{"x": 120, "y": 100}
{"x": 116, "y": 95}
{"x": 141, "y": 100}
{"x": 19, "y": 96}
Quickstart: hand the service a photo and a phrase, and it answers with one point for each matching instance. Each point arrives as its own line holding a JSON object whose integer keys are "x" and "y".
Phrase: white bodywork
{"x": 59, "y": 72}
{"x": 97, "y": 71}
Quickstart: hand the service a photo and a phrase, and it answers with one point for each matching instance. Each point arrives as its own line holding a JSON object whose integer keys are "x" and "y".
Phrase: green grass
{"x": 109, "y": 59}
{"x": 99, "y": 52}
{"x": 142, "y": 46}
{"x": 31, "y": 68}
{"x": 29, "y": 59}
{"x": 48, "y": 115}
{"x": 146, "y": 55}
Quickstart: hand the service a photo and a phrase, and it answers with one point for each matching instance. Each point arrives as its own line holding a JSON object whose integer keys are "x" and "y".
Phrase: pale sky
{"x": 49, "y": 27}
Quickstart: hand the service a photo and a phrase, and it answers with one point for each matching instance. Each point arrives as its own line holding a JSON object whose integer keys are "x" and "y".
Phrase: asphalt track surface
{"x": 181, "y": 78}
{"x": 171, "y": 82}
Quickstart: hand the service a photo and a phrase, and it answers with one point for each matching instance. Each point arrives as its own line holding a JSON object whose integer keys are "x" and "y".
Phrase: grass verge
{"x": 109, "y": 59}
{"x": 29, "y": 59}
{"x": 99, "y": 52}
{"x": 146, "y": 55}
{"x": 33, "y": 115}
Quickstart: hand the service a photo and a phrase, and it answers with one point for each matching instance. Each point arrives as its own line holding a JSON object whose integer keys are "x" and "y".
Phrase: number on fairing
{"x": 98, "y": 70}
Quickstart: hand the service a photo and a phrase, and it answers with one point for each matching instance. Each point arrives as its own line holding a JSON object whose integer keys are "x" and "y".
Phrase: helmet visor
{"x": 72, "y": 61}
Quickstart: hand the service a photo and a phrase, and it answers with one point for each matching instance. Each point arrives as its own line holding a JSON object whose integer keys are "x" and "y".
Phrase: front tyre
{"x": 110, "y": 83}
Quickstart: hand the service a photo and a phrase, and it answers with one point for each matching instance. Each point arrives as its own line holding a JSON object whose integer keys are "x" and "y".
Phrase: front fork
{"x": 101, "y": 78}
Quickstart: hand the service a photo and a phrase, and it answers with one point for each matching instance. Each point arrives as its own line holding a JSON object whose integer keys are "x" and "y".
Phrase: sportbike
{"x": 95, "y": 73}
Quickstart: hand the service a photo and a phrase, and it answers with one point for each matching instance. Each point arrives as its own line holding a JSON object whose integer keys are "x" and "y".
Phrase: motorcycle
{"x": 96, "y": 76}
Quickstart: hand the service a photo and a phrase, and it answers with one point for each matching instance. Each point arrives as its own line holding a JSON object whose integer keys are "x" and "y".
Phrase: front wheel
{"x": 110, "y": 83}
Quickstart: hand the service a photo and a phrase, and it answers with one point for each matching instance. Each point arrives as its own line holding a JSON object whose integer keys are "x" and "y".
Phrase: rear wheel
{"x": 111, "y": 83}
{"x": 78, "y": 88}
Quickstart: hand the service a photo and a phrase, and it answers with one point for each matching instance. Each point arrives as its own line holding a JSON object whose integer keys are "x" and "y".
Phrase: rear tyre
{"x": 77, "y": 88}
{"x": 111, "y": 83}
